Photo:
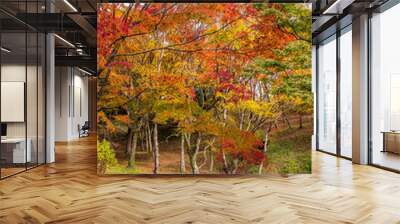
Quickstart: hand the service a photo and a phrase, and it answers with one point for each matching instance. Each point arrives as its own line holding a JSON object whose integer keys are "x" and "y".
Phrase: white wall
{"x": 62, "y": 81}
{"x": 71, "y": 102}
{"x": 80, "y": 109}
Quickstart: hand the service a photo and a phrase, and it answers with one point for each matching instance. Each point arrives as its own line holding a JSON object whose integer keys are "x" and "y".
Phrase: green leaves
{"x": 105, "y": 156}
{"x": 292, "y": 18}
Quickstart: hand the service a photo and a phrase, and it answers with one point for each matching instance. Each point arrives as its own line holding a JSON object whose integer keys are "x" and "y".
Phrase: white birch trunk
{"x": 260, "y": 169}
{"x": 149, "y": 137}
{"x": 183, "y": 168}
{"x": 156, "y": 152}
{"x": 133, "y": 150}
{"x": 196, "y": 169}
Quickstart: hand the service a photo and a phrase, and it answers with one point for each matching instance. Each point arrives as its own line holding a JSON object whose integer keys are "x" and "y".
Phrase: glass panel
{"x": 327, "y": 95}
{"x": 32, "y": 85}
{"x": 22, "y": 87}
{"x": 41, "y": 99}
{"x": 31, "y": 97}
{"x": 346, "y": 92}
{"x": 13, "y": 87}
{"x": 385, "y": 84}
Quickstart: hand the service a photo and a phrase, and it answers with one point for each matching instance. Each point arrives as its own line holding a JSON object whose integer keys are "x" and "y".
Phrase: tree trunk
{"x": 183, "y": 168}
{"x": 141, "y": 140}
{"x": 241, "y": 120}
{"x": 288, "y": 122}
{"x": 265, "y": 151}
{"x": 223, "y": 152}
{"x": 300, "y": 122}
{"x": 149, "y": 137}
{"x": 146, "y": 139}
{"x": 204, "y": 158}
{"x": 189, "y": 149}
{"x": 156, "y": 151}
{"x": 132, "y": 158}
{"x": 236, "y": 165}
{"x": 195, "y": 167}
{"x": 211, "y": 162}
{"x": 225, "y": 168}
{"x": 129, "y": 141}
{"x": 192, "y": 152}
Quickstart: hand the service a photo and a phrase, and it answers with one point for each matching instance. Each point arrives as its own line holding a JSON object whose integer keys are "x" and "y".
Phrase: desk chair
{"x": 84, "y": 130}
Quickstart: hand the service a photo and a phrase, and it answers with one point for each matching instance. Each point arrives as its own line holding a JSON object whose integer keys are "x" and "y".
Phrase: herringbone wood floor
{"x": 69, "y": 191}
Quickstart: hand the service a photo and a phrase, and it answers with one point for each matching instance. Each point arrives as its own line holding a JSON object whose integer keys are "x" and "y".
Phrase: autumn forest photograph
{"x": 192, "y": 88}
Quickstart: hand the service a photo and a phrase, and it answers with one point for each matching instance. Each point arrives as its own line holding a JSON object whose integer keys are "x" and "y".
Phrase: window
{"x": 327, "y": 95}
{"x": 385, "y": 89}
{"x": 346, "y": 92}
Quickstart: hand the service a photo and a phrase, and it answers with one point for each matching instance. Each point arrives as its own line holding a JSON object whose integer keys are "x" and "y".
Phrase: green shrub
{"x": 105, "y": 156}
{"x": 290, "y": 166}
{"x": 253, "y": 169}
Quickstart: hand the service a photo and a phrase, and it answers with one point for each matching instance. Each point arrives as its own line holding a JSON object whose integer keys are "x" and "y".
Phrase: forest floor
{"x": 289, "y": 152}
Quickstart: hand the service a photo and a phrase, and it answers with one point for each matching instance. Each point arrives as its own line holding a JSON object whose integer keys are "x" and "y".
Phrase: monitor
{"x": 3, "y": 129}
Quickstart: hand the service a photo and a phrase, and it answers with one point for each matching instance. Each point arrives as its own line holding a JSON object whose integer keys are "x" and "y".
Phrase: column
{"x": 360, "y": 90}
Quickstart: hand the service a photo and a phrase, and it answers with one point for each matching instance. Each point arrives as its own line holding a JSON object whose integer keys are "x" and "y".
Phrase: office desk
{"x": 391, "y": 141}
{"x": 13, "y": 150}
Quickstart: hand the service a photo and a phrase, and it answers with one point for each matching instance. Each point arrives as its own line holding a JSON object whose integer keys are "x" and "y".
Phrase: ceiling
{"x": 74, "y": 22}
{"x": 329, "y": 15}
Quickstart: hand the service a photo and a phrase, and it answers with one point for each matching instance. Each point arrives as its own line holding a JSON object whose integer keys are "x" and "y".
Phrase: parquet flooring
{"x": 69, "y": 191}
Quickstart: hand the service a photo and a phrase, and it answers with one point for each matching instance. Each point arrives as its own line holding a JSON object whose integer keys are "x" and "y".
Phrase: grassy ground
{"x": 290, "y": 151}
{"x": 122, "y": 169}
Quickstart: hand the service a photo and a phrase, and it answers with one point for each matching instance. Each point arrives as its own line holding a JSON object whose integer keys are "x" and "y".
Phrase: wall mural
{"x": 189, "y": 88}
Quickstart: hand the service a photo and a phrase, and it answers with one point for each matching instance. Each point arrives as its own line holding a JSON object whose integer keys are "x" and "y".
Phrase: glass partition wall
{"x": 22, "y": 94}
{"x": 385, "y": 89}
{"x": 334, "y": 84}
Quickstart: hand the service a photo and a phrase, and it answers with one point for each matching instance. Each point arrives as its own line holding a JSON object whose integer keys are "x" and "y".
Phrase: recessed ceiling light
{"x": 86, "y": 72}
{"x": 70, "y": 5}
{"x": 65, "y": 41}
{"x": 5, "y": 50}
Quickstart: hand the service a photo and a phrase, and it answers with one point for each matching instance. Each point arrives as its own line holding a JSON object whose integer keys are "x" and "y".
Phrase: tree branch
{"x": 172, "y": 46}
{"x": 163, "y": 15}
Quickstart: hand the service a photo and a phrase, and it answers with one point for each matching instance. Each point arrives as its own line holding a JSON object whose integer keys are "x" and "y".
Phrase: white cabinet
{"x": 19, "y": 155}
